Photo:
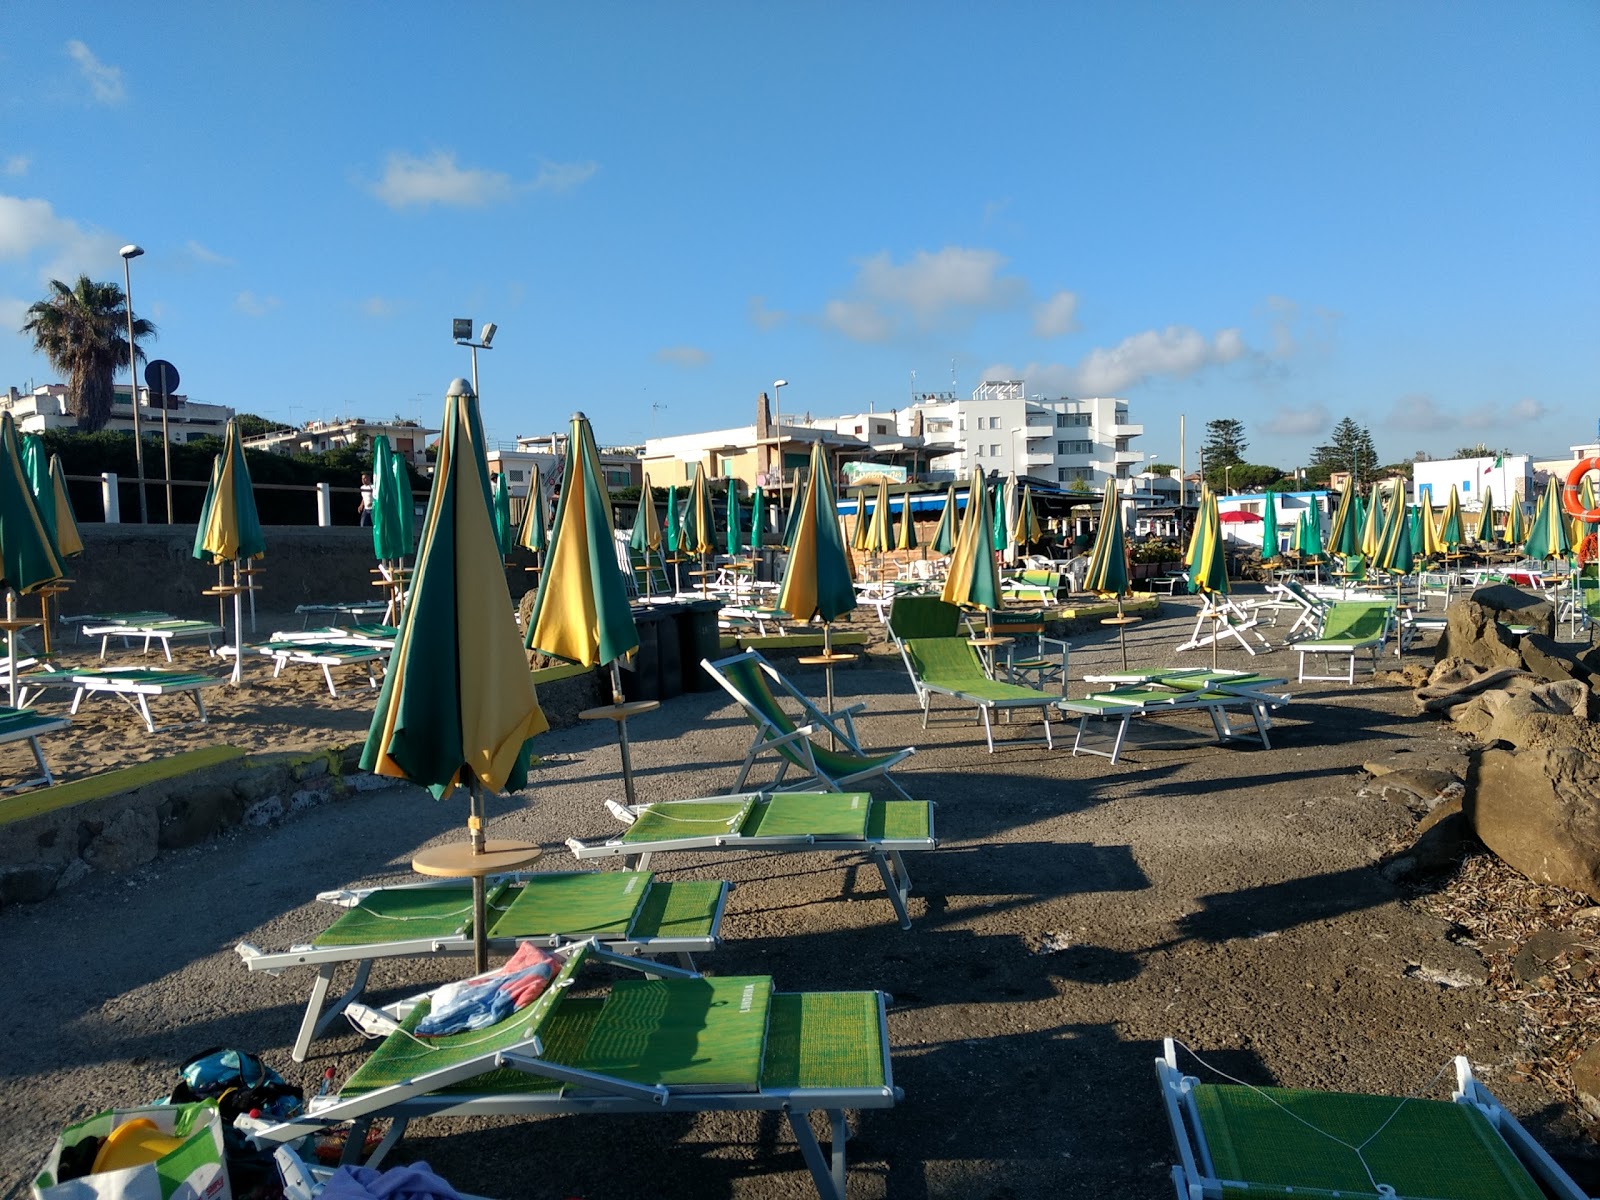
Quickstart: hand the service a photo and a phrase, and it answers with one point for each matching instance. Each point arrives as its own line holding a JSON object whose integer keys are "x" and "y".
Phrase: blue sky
{"x": 1281, "y": 212}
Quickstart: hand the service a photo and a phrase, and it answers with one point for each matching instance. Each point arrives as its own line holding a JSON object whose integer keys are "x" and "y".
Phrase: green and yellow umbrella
{"x": 1450, "y": 532}
{"x": 458, "y": 706}
{"x": 1372, "y": 527}
{"x": 68, "y": 540}
{"x": 534, "y": 532}
{"x": 674, "y": 527}
{"x": 645, "y": 538}
{"x": 944, "y": 534}
{"x": 36, "y": 470}
{"x": 1000, "y": 529}
{"x": 1430, "y": 546}
{"x": 973, "y": 580}
{"x": 699, "y": 525}
{"x": 880, "y": 538}
{"x": 1547, "y": 538}
{"x": 1208, "y": 563}
{"x": 505, "y": 535}
{"x": 405, "y": 503}
{"x": 1344, "y": 537}
{"x": 27, "y": 558}
{"x": 791, "y": 523}
{"x": 1483, "y": 532}
{"x": 1028, "y": 531}
{"x": 1395, "y": 554}
{"x": 230, "y": 530}
{"x": 386, "y": 505}
{"x": 1516, "y": 530}
{"x": 1309, "y": 541}
{"x": 818, "y": 580}
{"x": 1108, "y": 561}
{"x": 906, "y": 539}
{"x": 858, "y": 535}
{"x": 1269, "y": 528}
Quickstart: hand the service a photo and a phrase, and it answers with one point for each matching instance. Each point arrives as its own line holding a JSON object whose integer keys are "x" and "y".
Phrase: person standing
{"x": 366, "y": 499}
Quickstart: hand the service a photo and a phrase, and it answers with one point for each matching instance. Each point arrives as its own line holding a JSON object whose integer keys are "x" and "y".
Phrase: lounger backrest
{"x": 944, "y": 660}
{"x": 923, "y": 617}
{"x": 1353, "y": 621}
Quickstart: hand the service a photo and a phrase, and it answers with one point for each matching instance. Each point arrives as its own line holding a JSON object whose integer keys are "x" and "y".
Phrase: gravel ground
{"x": 1076, "y": 913}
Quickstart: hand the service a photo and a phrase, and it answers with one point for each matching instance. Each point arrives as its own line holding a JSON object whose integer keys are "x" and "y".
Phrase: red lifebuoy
{"x": 1569, "y": 494}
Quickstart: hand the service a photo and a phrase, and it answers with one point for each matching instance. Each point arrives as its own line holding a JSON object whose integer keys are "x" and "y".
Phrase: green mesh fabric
{"x": 402, "y": 914}
{"x": 574, "y": 904}
{"x": 900, "y": 821}
{"x": 823, "y": 1040}
{"x": 402, "y": 1055}
{"x": 836, "y": 764}
{"x": 1347, "y": 622}
{"x": 832, "y": 815}
{"x": 1431, "y": 1148}
{"x": 686, "y": 909}
{"x": 690, "y": 1033}
{"x": 16, "y": 721}
{"x": 675, "y": 820}
{"x": 952, "y": 663}
{"x": 923, "y": 617}
{"x": 341, "y": 652}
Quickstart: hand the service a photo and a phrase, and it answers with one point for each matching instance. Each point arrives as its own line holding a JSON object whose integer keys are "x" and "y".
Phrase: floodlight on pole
{"x": 461, "y": 334}
{"x": 129, "y": 253}
{"x": 777, "y": 404}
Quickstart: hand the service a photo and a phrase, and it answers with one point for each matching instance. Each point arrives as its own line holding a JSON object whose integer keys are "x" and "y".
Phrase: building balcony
{"x": 1127, "y": 430}
{"x": 1129, "y": 456}
{"x": 1039, "y": 458}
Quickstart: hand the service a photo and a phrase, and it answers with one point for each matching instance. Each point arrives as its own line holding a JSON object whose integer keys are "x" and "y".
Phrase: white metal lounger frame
{"x": 156, "y": 631}
{"x": 369, "y": 657}
{"x": 985, "y": 706}
{"x": 1348, "y": 646}
{"x": 327, "y": 959}
{"x": 587, "y": 1092}
{"x": 357, "y": 609}
{"x": 31, "y": 733}
{"x": 1227, "y": 620}
{"x": 1219, "y": 707}
{"x": 1194, "y": 1177}
{"x": 136, "y": 694}
{"x": 885, "y": 853}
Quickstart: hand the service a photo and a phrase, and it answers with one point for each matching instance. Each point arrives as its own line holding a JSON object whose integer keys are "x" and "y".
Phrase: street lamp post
{"x": 777, "y": 419}
{"x": 461, "y": 331}
{"x": 1016, "y": 455}
{"x": 128, "y": 253}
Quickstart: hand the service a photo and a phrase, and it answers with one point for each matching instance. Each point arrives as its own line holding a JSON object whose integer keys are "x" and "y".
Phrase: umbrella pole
{"x": 622, "y": 733}
{"x": 238, "y": 626}
{"x": 11, "y": 640}
{"x": 480, "y": 915}
{"x": 1122, "y": 633}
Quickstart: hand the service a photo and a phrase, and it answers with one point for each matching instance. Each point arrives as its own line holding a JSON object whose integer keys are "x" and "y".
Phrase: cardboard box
{"x": 196, "y": 1169}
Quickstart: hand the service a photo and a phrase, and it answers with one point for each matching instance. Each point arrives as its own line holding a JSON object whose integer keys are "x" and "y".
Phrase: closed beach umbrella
{"x": 1428, "y": 525}
{"x": 645, "y": 537}
{"x": 817, "y": 579}
{"x": 790, "y": 524}
{"x": 674, "y": 528}
{"x": 973, "y": 580}
{"x": 36, "y": 470}
{"x": 1372, "y": 527}
{"x": 1483, "y": 532}
{"x": 944, "y": 535}
{"x": 581, "y": 612}
{"x": 1395, "y": 554}
{"x": 505, "y": 534}
{"x": 1208, "y": 570}
{"x": 1001, "y": 530}
{"x": 534, "y": 533}
{"x": 1414, "y": 529}
{"x": 1108, "y": 560}
{"x": 457, "y": 705}
{"x": 1450, "y": 531}
{"x": 1344, "y": 536}
{"x": 858, "y": 535}
{"x": 386, "y": 529}
{"x": 879, "y": 537}
{"x": 1547, "y": 537}
{"x": 230, "y": 529}
{"x": 1027, "y": 531}
{"x": 69, "y": 543}
{"x": 27, "y": 558}
{"x": 405, "y": 503}
{"x": 1269, "y": 527}
{"x": 1516, "y": 530}
{"x": 699, "y": 525}
{"x": 1309, "y": 542}
{"x": 907, "y": 538}
{"x": 758, "y": 518}
{"x": 730, "y": 515}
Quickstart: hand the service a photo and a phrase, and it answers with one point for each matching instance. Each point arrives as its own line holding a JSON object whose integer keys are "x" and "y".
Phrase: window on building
{"x": 978, "y": 453}
{"x": 994, "y": 451}
{"x": 1061, "y": 420}
{"x": 883, "y": 429}
{"x": 994, "y": 422}
{"x": 1061, "y": 474}
{"x": 1122, "y": 443}
{"x": 1122, "y": 470}
{"x": 1061, "y": 447}
{"x": 515, "y": 475}
{"x": 963, "y": 424}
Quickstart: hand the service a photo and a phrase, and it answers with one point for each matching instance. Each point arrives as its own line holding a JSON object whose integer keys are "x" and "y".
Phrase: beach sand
{"x": 1076, "y": 913}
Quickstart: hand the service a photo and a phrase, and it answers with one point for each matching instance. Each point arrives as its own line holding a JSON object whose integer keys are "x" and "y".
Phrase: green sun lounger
{"x": 675, "y": 1043}
{"x": 1239, "y": 1141}
{"x": 134, "y": 685}
{"x": 628, "y": 911}
{"x": 1219, "y": 694}
{"x": 1349, "y": 627}
{"x": 164, "y": 631}
{"x": 786, "y": 822}
{"x": 749, "y": 679}
{"x": 326, "y": 655}
{"x": 23, "y": 724}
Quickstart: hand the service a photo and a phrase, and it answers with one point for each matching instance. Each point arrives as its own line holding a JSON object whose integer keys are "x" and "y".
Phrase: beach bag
{"x": 240, "y": 1083}
{"x": 160, "y": 1152}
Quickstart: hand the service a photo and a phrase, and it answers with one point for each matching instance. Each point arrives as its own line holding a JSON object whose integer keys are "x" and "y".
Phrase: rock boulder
{"x": 1538, "y": 809}
{"x": 1475, "y": 628}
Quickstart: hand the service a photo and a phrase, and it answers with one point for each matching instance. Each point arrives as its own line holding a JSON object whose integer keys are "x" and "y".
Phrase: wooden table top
{"x": 455, "y": 860}
{"x": 620, "y": 711}
{"x": 1120, "y": 620}
{"x": 825, "y": 660}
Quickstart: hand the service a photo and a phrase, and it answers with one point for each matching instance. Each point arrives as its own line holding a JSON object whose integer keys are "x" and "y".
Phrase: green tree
{"x": 1481, "y": 450}
{"x": 1156, "y": 468}
{"x": 1224, "y": 447}
{"x": 1349, "y": 448}
{"x": 82, "y": 330}
{"x": 1245, "y": 476}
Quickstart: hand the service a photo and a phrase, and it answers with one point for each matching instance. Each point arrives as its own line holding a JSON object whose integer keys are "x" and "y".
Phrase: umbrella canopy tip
{"x": 578, "y": 416}
{"x": 459, "y": 387}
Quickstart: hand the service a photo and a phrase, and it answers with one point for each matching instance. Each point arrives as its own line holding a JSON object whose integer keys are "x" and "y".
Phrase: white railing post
{"x": 324, "y": 505}
{"x": 109, "y": 499}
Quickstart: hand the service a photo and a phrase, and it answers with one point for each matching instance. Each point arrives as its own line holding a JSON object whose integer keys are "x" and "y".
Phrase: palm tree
{"x": 82, "y": 330}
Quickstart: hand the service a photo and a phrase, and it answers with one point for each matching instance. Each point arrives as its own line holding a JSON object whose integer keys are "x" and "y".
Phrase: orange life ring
{"x": 1569, "y": 494}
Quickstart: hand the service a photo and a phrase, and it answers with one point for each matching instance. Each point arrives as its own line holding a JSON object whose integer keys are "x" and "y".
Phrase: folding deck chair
{"x": 628, "y": 912}
{"x": 789, "y": 822}
{"x": 1222, "y": 617}
{"x": 1032, "y": 658}
{"x": 943, "y": 663}
{"x": 1308, "y": 609}
{"x": 383, "y": 637}
{"x": 23, "y": 724}
{"x": 746, "y": 678}
{"x": 134, "y": 685}
{"x": 164, "y": 631}
{"x": 1350, "y": 627}
{"x": 675, "y": 1043}
{"x": 1237, "y": 1140}
{"x": 325, "y": 655}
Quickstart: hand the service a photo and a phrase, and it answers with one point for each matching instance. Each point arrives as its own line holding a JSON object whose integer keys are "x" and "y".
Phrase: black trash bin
{"x": 699, "y": 637}
{"x": 644, "y": 681}
{"x": 669, "y": 657}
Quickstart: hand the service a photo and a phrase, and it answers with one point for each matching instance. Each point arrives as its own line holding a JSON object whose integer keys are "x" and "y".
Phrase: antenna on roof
{"x": 952, "y": 374}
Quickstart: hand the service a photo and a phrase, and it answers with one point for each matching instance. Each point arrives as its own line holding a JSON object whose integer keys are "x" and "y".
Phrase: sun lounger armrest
{"x": 621, "y": 812}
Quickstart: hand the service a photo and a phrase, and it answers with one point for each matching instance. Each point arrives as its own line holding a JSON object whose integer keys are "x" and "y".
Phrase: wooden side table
{"x": 827, "y": 662}
{"x": 456, "y": 860}
{"x": 620, "y": 712}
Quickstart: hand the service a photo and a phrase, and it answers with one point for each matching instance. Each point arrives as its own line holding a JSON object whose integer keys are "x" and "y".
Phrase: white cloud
{"x": 1056, "y": 316}
{"x": 437, "y": 179}
{"x": 255, "y": 306}
{"x": 378, "y": 306}
{"x": 105, "y": 83}
{"x": 17, "y": 165}
{"x": 563, "y": 177}
{"x": 1504, "y": 416}
{"x": 683, "y": 356}
{"x": 1176, "y": 350}
{"x": 761, "y": 316}
{"x": 929, "y": 289}
{"x": 206, "y": 255}
{"x": 1421, "y": 413}
{"x": 13, "y": 312}
{"x": 30, "y": 228}
{"x": 1288, "y": 421}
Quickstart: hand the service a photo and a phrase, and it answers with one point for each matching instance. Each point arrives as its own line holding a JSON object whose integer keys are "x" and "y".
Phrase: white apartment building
{"x": 406, "y": 438}
{"x": 46, "y": 408}
{"x": 1504, "y": 475}
{"x": 1001, "y": 428}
